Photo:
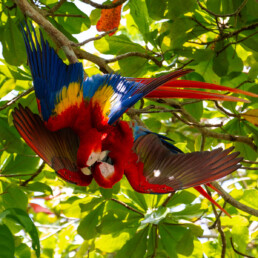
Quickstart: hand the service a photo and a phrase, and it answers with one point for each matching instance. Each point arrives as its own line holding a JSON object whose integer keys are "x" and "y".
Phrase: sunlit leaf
{"x": 22, "y": 218}
{"x": 251, "y": 116}
{"x": 6, "y": 242}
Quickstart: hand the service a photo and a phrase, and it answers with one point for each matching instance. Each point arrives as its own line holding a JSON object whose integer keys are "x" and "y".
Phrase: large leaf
{"x": 13, "y": 45}
{"x": 73, "y": 25}
{"x": 22, "y": 218}
{"x": 135, "y": 247}
{"x": 139, "y": 12}
{"x": 14, "y": 197}
{"x": 6, "y": 242}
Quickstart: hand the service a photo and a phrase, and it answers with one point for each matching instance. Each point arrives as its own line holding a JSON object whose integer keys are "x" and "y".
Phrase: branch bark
{"x": 60, "y": 39}
{"x": 234, "y": 202}
{"x": 104, "y": 6}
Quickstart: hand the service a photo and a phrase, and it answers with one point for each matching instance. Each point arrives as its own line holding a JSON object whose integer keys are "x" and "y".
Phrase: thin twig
{"x": 138, "y": 54}
{"x": 104, "y": 6}
{"x": 222, "y": 235}
{"x": 250, "y": 162}
{"x": 170, "y": 195}
{"x": 235, "y": 42}
{"x": 207, "y": 132}
{"x": 224, "y": 111}
{"x": 93, "y": 39}
{"x": 57, "y": 6}
{"x": 233, "y": 247}
{"x": 127, "y": 206}
{"x": 249, "y": 168}
{"x": 66, "y": 15}
{"x": 223, "y": 15}
{"x": 34, "y": 175}
{"x": 156, "y": 241}
{"x": 13, "y": 101}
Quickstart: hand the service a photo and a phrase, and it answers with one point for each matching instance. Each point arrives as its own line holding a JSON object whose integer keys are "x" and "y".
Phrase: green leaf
{"x": 179, "y": 31}
{"x": 118, "y": 218}
{"x": 73, "y": 25}
{"x": 186, "y": 246}
{"x": 220, "y": 61}
{"x": 156, "y": 9}
{"x": 22, "y": 218}
{"x": 9, "y": 137}
{"x": 246, "y": 151}
{"x": 250, "y": 198}
{"x": 181, "y": 197}
{"x": 39, "y": 187}
{"x": 178, "y": 8}
{"x": 20, "y": 164}
{"x": 111, "y": 243}
{"x": 87, "y": 227}
{"x": 240, "y": 236}
{"x": 190, "y": 211}
{"x": 195, "y": 109}
{"x": 23, "y": 251}
{"x": 14, "y": 198}
{"x": 132, "y": 66}
{"x": 136, "y": 246}
{"x": 156, "y": 216}
{"x": 139, "y": 12}
{"x": 117, "y": 45}
{"x": 6, "y": 242}
{"x": 13, "y": 45}
{"x": 170, "y": 235}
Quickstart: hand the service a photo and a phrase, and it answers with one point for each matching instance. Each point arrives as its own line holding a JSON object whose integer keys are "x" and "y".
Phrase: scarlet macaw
{"x": 80, "y": 135}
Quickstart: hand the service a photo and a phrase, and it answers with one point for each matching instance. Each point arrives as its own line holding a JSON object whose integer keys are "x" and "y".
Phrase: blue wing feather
{"x": 48, "y": 71}
{"x": 124, "y": 94}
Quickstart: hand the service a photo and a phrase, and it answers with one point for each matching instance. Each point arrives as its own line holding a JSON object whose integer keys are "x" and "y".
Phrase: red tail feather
{"x": 205, "y": 194}
{"x": 166, "y": 92}
{"x": 204, "y": 85}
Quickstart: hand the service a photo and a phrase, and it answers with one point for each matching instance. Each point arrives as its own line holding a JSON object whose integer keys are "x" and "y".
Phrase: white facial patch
{"x": 92, "y": 158}
{"x": 86, "y": 171}
{"x": 106, "y": 169}
{"x": 96, "y": 156}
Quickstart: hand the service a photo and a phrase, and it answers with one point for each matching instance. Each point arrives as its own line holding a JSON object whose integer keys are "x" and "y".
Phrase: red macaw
{"x": 80, "y": 135}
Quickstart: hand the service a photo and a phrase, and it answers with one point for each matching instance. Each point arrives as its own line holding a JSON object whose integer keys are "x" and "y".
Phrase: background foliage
{"x": 41, "y": 213}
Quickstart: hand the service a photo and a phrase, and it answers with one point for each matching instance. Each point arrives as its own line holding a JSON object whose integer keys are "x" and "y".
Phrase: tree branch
{"x": 34, "y": 175}
{"x": 139, "y": 54}
{"x": 61, "y": 40}
{"x": 218, "y": 222}
{"x": 207, "y": 132}
{"x": 104, "y": 6}
{"x": 170, "y": 195}
{"x": 127, "y": 206}
{"x": 223, "y": 15}
{"x": 245, "y": 255}
{"x": 57, "y": 6}
{"x": 13, "y": 101}
{"x": 92, "y": 39}
{"x": 234, "y": 202}
{"x": 103, "y": 66}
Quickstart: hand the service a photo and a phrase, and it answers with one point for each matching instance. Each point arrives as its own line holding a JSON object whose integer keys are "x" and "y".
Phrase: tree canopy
{"x": 43, "y": 216}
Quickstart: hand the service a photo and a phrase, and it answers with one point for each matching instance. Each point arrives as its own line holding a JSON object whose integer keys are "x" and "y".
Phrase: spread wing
{"x": 114, "y": 94}
{"x": 58, "y": 149}
{"x": 182, "y": 170}
{"x": 57, "y": 85}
